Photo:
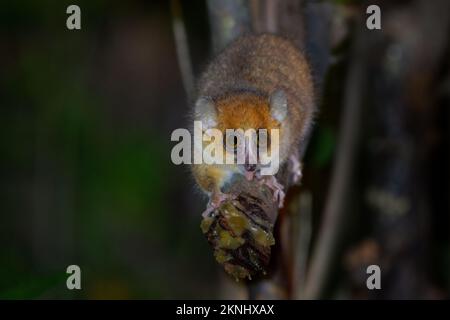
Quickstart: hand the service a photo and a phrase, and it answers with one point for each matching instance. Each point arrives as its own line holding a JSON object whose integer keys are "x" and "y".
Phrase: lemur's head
{"x": 242, "y": 119}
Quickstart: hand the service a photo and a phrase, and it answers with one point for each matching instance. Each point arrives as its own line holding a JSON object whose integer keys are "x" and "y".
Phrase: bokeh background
{"x": 86, "y": 176}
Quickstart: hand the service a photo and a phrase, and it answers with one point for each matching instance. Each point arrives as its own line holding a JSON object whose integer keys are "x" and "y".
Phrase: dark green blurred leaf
{"x": 33, "y": 287}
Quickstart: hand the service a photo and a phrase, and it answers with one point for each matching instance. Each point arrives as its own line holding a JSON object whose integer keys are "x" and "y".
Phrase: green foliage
{"x": 33, "y": 286}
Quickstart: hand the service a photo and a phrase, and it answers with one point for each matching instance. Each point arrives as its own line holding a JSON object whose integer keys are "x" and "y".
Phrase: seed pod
{"x": 240, "y": 231}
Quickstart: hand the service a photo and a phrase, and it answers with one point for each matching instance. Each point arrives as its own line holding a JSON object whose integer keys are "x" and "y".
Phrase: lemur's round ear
{"x": 278, "y": 105}
{"x": 205, "y": 111}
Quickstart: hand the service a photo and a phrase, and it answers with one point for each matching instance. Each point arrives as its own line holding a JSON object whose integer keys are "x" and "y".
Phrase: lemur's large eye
{"x": 263, "y": 140}
{"x": 231, "y": 142}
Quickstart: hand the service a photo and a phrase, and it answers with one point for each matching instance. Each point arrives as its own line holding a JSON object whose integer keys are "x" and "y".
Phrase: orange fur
{"x": 244, "y": 111}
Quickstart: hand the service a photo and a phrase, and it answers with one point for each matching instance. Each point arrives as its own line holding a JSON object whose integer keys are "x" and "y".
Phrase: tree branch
{"x": 329, "y": 232}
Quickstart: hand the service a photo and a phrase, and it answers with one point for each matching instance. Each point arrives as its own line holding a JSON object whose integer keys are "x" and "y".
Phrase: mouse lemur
{"x": 257, "y": 82}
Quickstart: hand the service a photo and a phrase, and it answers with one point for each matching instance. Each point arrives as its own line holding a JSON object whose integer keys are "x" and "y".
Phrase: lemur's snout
{"x": 250, "y": 167}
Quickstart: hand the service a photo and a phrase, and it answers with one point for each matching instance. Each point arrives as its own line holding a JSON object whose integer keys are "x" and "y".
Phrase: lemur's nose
{"x": 250, "y": 167}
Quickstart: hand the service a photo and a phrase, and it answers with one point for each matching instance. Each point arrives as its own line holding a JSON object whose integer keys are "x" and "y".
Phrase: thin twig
{"x": 182, "y": 48}
{"x": 301, "y": 233}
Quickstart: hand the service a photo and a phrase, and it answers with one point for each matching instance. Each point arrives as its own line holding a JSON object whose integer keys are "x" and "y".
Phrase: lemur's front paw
{"x": 295, "y": 169}
{"x": 277, "y": 188}
{"x": 216, "y": 200}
